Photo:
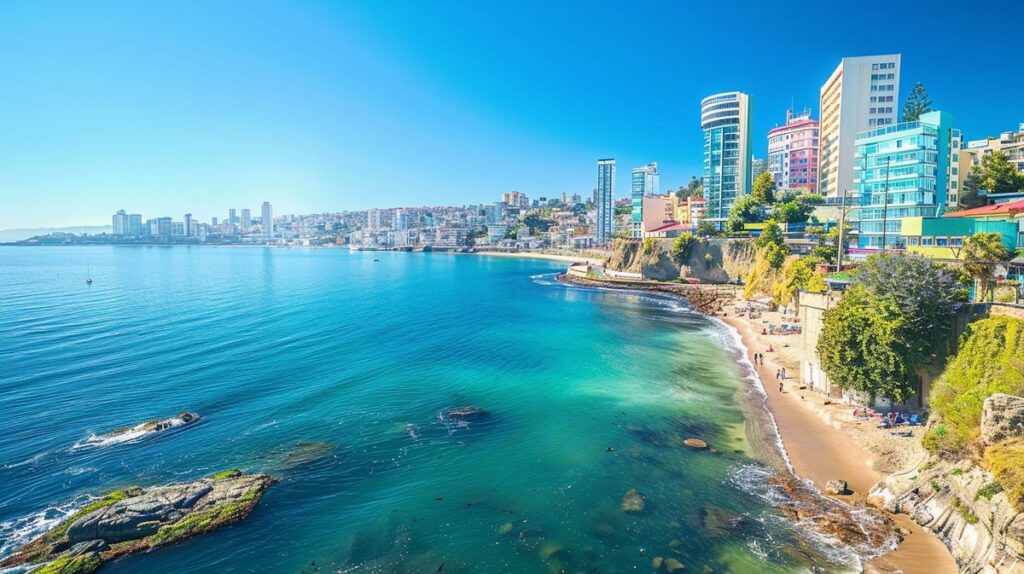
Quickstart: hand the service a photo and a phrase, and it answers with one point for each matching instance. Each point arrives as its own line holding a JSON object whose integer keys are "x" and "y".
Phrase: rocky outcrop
{"x": 964, "y": 507}
{"x": 633, "y": 501}
{"x": 136, "y": 519}
{"x": 1002, "y": 418}
{"x": 649, "y": 258}
{"x": 704, "y": 298}
{"x": 837, "y": 487}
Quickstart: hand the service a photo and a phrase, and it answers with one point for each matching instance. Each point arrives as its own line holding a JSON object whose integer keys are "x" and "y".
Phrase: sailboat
{"x": 88, "y": 274}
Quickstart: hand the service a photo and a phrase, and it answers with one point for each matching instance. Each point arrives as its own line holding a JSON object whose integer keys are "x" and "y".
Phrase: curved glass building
{"x": 725, "y": 119}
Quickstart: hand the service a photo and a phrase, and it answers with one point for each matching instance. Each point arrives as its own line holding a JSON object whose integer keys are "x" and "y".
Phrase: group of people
{"x": 759, "y": 359}
{"x": 780, "y": 374}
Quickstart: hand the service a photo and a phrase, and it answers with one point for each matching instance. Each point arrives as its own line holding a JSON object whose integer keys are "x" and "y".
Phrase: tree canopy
{"x": 917, "y": 103}
{"x": 887, "y": 325}
{"x": 998, "y": 175}
{"x": 694, "y": 189}
{"x": 982, "y": 253}
{"x": 763, "y": 190}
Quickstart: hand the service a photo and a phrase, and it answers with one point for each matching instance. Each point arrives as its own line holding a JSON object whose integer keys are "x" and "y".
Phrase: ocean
{"x": 332, "y": 370}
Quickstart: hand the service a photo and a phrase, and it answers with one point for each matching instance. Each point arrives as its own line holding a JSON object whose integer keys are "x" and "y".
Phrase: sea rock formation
{"x": 695, "y": 443}
{"x": 133, "y": 433}
{"x": 1002, "y": 418}
{"x": 138, "y": 519}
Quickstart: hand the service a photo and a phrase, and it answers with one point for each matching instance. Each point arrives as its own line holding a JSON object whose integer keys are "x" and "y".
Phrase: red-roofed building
{"x": 997, "y": 211}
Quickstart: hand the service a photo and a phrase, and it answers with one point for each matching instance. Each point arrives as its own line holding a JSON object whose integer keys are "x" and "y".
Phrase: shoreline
{"x": 533, "y": 255}
{"x": 815, "y": 450}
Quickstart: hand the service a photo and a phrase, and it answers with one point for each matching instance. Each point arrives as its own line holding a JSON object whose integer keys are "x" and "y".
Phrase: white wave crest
{"x": 19, "y": 531}
{"x": 135, "y": 433}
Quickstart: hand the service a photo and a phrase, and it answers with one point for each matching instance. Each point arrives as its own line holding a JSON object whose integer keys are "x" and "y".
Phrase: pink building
{"x": 793, "y": 152}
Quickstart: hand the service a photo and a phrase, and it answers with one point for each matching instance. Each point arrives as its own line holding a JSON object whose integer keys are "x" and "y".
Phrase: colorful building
{"x": 725, "y": 119}
{"x": 793, "y": 153}
{"x": 690, "y": 212}
{"x": 861, "y": 94}
{"x": 943, "y": 237}
{"x": 910, "y": 169}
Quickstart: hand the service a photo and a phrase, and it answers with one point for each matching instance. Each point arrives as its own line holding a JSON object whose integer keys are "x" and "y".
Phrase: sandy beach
{"x": 821, "y": 452}
{"x": 546, "y": 256}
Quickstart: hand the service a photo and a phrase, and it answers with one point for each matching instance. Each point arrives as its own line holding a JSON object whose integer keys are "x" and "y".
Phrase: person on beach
{"x": 778, "y": 375}
{"x": 780, "y": 386}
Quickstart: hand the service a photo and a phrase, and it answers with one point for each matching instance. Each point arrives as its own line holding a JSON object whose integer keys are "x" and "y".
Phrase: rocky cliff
{"x": 649, "y": 258}
{"x": 962, "y": 502}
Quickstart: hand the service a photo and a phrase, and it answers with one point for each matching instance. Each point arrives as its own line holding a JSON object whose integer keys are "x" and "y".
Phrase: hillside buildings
{"x": 793, "y": 152}
{"x": 861, "y": 94}
{"x": 725, "y": 120}
{"x": 1010, "y": 143}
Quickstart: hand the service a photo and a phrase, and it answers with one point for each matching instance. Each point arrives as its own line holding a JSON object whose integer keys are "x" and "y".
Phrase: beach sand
{"x": 547, "y": 256}
{"x": 820, "y": 452}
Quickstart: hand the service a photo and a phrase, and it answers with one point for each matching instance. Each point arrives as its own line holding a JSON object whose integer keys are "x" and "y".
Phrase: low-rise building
{"x": 943, "y": 237}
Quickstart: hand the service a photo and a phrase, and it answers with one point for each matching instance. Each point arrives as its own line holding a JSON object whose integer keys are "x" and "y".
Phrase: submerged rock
{"x": 134, "y": 433}
{"x": 137, "y": 519}
{"x": 633, "y": 501}
{"x": 672, "y": 565}
{"x": 695, "y": 443}
{"x": 306, "y": 452}
{"x": 505, "y": 528}
{"x": 465, "y": 413}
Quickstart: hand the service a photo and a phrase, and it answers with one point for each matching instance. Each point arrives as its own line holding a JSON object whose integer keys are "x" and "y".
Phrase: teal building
{"x": 909, "y": 169}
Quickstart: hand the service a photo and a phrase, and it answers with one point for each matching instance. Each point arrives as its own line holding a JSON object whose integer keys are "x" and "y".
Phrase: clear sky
{"x": 163, "y": 108}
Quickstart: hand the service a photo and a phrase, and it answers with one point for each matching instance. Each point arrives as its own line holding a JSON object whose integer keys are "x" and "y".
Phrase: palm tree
{"x": 982, "y": 253}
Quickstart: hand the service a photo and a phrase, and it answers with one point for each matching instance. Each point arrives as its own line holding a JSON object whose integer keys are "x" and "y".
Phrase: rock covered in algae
{"x": 633, "y": 501}
{"x": 138, "y": 519}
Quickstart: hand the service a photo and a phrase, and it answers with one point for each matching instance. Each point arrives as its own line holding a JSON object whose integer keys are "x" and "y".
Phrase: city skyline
{"x": 369, "y": 105}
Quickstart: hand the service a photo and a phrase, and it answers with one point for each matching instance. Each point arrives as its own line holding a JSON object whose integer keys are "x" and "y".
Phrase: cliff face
{"x": 729, "y": 259}
{"x": 652, "y": 261}
{"x": 955, "y": 501}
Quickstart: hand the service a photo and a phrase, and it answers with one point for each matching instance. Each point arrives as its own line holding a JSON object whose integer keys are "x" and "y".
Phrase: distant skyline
{"x": 165, "y": 108}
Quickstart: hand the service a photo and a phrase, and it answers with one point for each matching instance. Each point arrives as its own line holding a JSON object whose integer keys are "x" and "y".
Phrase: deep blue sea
{"x": 328, "y": 369}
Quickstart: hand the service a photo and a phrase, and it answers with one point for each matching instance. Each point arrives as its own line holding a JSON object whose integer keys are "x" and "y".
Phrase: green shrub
{"x": 681, "y": 247}
{"x": 1006, "y": 461}
{"x": 988, "y": 491}
{"x": 990, "y": 360}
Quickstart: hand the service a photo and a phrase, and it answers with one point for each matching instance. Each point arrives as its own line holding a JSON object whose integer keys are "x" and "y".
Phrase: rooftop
{"x": 1012, "y": 209}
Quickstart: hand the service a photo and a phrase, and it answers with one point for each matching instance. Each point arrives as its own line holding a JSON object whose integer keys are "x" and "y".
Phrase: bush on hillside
{"x": 1006, "y": 461}
{"x": 990, "y": 360}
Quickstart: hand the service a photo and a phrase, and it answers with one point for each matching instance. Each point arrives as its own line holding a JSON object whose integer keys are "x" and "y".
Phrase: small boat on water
{"x": 88, "y": 275}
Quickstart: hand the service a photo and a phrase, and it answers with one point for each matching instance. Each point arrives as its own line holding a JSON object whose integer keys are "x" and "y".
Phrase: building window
{"x": 956, "y": 241}
{"x": 927, "y": 241}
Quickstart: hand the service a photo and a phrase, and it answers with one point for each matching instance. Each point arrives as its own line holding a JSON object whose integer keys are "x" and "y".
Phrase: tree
{"x": 763, "y": 190}
{"x": 796, "y": 275}
{"x": 680, "y": 251}
{"x": 862, "y": 346}
{"x": 694, "y": 189}
{"x": 998, "y": 175}
{"x": 917, "y": 103}
{"x": 890, "y": 322}
{"x": 747, "y": 209}
{"x": 982, "y": 253}
{"x": 969, "y": 194}
{"x": 706, "y": 229}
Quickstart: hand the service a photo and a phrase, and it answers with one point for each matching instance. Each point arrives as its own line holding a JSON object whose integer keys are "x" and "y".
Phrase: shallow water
{"x": 328, "y": 370}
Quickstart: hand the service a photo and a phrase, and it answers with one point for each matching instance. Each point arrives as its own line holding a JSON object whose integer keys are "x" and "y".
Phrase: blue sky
{"x": 168, "y": 107}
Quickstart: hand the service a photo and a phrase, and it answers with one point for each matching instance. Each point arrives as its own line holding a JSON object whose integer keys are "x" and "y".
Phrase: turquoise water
{"x": 328, "y": 369}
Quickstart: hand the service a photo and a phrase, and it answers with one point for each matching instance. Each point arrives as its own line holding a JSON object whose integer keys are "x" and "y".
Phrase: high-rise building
{"x": 910, "y": 169}
{"x": 232, "y": 216}
{"x": 213, "y": 221}
{"x": 246, "y": 218}
{"x": 725, "y": 119}
{"x": 644, "y": 182}
{"x": 793, "y": 153}
{"x": 187, "y": 227}
{"x": 120, "y": 223}
{"x": 401, "y": 220}
{"x": 267, "y": 220}
{"x": 515, "y": 199}
{"x": 164, "y": 228}
{"x": 861, "y": 94}
{"x": 757, "y": 167}
{"x": 603, "y": 197}
{"x": 135, "y": 225}
{"x": 374, "y": 220}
